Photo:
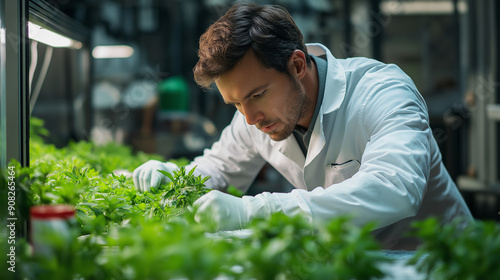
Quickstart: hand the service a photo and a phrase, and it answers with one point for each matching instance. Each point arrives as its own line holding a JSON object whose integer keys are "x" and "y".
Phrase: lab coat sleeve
{"x": 232, "y": 160}
{"x": 395, "y": 164}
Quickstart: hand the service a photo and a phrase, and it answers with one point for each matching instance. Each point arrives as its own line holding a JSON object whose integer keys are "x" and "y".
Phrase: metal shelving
{"x": 15, "y": 96}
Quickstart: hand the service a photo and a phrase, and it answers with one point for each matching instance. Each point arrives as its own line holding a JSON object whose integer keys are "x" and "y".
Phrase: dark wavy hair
{"x": 268, "y": 30}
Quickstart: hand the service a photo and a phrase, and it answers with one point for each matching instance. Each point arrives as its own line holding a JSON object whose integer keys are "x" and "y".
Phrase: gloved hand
{"x": 229, "y": 212}
{"x": 147, "y": 176}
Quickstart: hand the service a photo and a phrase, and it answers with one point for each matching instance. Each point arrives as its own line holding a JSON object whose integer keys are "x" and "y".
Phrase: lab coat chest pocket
{"x": 338, "y": 172}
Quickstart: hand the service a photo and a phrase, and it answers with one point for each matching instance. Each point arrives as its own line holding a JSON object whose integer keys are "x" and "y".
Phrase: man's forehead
{"x": 248, "y": 76}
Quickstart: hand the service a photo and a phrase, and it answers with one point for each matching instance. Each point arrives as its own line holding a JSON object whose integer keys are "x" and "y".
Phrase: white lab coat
{"x": 372, "y": 155}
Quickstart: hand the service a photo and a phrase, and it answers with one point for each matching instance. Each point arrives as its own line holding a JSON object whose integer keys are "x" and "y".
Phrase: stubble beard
{"x": 299, "y": 107}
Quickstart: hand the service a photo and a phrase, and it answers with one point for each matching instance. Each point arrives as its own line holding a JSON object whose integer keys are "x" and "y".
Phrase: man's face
{"x": 272, "y": 101}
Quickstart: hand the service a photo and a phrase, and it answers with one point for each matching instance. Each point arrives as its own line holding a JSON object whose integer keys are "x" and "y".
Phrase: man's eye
{"x": 260, "y": 94}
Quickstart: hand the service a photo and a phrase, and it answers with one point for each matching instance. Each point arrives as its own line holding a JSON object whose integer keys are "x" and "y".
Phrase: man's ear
{"x": 298, "y": 64}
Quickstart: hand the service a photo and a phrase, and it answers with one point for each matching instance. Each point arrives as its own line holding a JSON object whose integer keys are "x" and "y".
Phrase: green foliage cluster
{"x": 458, "y": 252}
{"x": 82, "y": 174}
{"x": 126, "y": 234}
{"x": 283, "y": 247}
{"x": 183, "y": 190}
{"x": 280, "y": 247}
{"x": 73, "y": 176}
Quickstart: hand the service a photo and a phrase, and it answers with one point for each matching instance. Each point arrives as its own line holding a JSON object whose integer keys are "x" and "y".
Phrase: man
{"x": 351, "y": 135}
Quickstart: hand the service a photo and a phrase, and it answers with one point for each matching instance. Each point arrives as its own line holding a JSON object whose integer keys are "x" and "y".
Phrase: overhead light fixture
{"x": 116, "y": 51}
{"x": 43, "y": 35}
{"x": 421, "y": 7}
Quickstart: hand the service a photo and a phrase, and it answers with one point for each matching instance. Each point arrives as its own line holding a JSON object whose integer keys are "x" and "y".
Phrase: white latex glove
{"x": 147, "y": 176}
{"x": 229, "y": 212}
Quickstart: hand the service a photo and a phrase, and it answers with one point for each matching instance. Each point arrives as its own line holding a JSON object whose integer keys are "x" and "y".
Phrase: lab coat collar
{"x": 290, "y": 148}
{"x": 335, "y": 88}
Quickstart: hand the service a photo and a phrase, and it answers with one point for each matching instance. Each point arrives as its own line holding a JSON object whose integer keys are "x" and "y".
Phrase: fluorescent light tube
{"x": 42, "y": 35}
{"x": 420, "y": 7}
{"x": 117, "y": 51}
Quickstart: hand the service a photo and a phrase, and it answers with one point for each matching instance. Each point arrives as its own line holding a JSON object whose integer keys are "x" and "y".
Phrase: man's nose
{"x": 252, "y": 114}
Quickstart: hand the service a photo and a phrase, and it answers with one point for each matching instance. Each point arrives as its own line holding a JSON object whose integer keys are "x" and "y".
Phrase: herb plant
{"x": 82, "y": 174}
{"x": 126, "y": 234}
{"x": 183, "y": 190}
{"x": 458, "y": 252}
{"x": 283, "y": 247}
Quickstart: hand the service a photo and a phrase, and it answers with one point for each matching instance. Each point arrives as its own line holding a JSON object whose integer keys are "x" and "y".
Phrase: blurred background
{"x": 125, "y": 75}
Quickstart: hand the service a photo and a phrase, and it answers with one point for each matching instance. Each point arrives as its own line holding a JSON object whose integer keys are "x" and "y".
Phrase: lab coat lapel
{"x": 290, "y": 148}
{"x": 335, "y": 88}
{"x": 317, "y": 140}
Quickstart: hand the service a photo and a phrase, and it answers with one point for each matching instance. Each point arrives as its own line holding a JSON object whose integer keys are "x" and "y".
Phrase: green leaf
{"x": 166, "y": 174}
{"x": 190, "y": 174}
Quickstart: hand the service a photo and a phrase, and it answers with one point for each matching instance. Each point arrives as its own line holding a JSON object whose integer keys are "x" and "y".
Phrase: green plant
{"x": 279, "y": 247}
{"x": 183, "y": 189}
{"x": 455, "y": 251}
{"x": 81, "y": 174}
{"x": 67, "y": 258}
{"x": 283, "y": 247}
{"x": 126, "y": 234}
{"x": 146, "y": 249}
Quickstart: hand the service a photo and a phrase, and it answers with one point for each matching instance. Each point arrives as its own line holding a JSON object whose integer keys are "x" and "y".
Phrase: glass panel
{"x": 3, "y": 124}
